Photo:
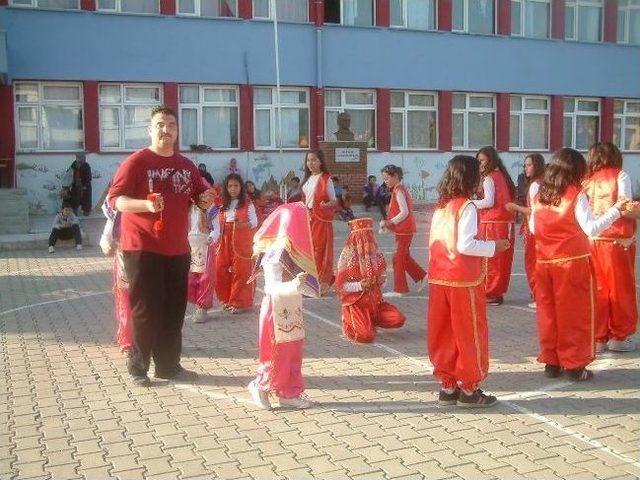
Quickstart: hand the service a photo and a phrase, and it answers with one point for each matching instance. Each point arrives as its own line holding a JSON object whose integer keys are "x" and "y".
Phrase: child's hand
{"x": 632, "y": 210}
{"x": 621, "y": 204}
{"x": 511, "y": 207}
{"x": 301, "y": 278}
{"x": 155, "y": 202}
{"x": 365, "y": 284}
{"x": 502, "y": 245}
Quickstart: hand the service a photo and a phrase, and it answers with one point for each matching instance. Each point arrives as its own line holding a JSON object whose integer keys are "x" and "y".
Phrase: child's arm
{"x": 273, "y": 284}
{"x": 467, "y": 231}
{"x": 214, "y": 235}
{"x": 489, "y": 198}
{"x": 592, "y": 226}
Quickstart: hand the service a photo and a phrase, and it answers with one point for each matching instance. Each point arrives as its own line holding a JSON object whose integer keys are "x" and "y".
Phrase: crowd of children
{"x": 578, "y": 231}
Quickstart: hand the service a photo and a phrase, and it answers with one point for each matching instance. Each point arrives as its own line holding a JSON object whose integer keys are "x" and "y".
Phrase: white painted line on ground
{"x": 66, "y": 299}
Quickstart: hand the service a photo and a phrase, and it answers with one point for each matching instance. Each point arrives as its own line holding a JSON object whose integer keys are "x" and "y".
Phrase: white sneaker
{"x": 259, "y": 397}
{"x": 532, "y": 305}
{"x": 393, "y": 294}
{"x": 300, "y": 402}
{"x": 200, "y": 315}
{"x": 78, "y": 247}
{"x": 601, "y": 347}
{"x": 621, "y": 345}
{"x": 52, "y": 250}
{"x": 420, "y": 284}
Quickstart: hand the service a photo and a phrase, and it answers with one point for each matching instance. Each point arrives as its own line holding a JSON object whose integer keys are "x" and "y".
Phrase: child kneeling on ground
{"x": 65, "y": 227}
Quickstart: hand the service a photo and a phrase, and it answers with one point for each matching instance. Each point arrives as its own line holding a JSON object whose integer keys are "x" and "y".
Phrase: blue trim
{"x": 54, "y": 45}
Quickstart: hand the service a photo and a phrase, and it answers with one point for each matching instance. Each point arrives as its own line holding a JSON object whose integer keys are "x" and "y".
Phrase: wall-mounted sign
{"x": 348, "y": 155}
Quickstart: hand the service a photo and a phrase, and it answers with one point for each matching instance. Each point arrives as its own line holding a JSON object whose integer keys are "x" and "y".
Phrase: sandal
{"x": 580, "y": 374}
{"x": 552, "y": 371}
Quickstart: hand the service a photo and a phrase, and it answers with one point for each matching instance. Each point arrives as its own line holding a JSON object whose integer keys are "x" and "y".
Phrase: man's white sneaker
{"x": 300, "y": 402}
{"x": 420, "y": 284}
{"x": 52, "y": 250}
{"x": 200, "y": 315}
{"x": 601, "y": 347}
{"x": 621, "y": 345}
{"x": 393, "y": 294}
{"x": 259, "y": 397}
{"x": 78, "y": 247}
{"x": 532, "y": 305}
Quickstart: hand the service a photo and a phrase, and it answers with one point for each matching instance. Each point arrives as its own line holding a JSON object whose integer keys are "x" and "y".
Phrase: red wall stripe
{"x": 611, "y": 21}
{"x": 383, "y": 119}
{"x": 503, "y": 108}
{"x": 556, "y": 123}
{"x": 382, "y": 14}
{"x": 89, "y": 5}
{"x": 445, "y": 99}
{"x": 170, "y": 96}
{"x": 168, "y": 7}
{"x": 606, "y": 123}
{"x": 504, "y": 17}
{"x": 246, "y": 118}
{"x": 557, "y": 18}
{"x": 316, "y": 114}
{"x": 91, "y": 117}
{"x": 7, "y": 135}
{"x": 445, "y": 15}
{"x": 245, "y": 9}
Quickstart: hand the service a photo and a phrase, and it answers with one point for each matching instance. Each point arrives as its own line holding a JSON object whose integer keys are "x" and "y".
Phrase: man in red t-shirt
{"x": 153, "y": 188}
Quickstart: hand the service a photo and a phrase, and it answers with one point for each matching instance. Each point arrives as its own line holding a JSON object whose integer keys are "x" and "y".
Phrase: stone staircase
{"x": 14, "y": 211}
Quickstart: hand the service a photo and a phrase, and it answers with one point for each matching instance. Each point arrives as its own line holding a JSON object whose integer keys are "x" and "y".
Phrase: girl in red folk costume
{"x": 496, "y": 222}
{"x": 613, "y": 251}
{"x": 562, "y": 221}
{"x": 284, "y": 252}
{"x": 458, "y": 339}
{"x": 320, "y": 198}
{"x": 533, "y": 172}
{"x": 362, "y": 271}
{"x": 402, "y": 222}
{"x": 238, "y": 222}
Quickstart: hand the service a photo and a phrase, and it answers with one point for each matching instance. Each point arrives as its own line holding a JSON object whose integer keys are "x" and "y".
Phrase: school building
{"x": 421, "y": 80}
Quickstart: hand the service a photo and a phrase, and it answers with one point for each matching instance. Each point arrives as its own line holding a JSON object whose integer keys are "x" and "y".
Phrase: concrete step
{"x": 38, "y": 241}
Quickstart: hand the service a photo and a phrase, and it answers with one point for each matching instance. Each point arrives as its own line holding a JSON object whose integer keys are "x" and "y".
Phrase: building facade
{"x": 421, "y": 79}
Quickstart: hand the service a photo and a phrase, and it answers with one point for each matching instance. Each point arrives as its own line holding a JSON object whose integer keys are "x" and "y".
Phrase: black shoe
{"x": 141, "y": 380}
{"x": 495, "y": 300}
{"x": 446, "y": 399}
{"x": 552, "y": 371}
{"x": 476, "y": 400}
{"x": 179, "y": 375}
{"x": 580, "y": 374}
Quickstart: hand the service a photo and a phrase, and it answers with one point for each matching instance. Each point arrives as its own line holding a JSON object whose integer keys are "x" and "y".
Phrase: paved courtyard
{"x": 67, "y": 410}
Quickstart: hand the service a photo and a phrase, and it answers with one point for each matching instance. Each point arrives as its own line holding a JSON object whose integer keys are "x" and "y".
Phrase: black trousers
{"x": 158, "y": 298}
{"x": 65, "y": 234}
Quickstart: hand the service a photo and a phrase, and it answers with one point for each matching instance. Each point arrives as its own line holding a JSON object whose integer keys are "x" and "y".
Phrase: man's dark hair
{"x": 164, "y": 110}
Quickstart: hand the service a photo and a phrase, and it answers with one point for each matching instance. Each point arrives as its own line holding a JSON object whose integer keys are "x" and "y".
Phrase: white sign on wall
{"x": 348, "y": 155}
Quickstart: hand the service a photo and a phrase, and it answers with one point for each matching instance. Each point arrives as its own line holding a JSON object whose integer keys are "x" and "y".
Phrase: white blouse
{"x": 230, "y": 213}
{"x": 309, "y": 189}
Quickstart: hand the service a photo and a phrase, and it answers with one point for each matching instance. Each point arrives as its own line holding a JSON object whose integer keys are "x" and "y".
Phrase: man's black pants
{"x": 66, "y": 233}
{"x": 158, "y": 297}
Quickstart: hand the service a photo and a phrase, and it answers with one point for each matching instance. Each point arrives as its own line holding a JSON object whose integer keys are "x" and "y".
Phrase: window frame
{"x": 405, "y": 22}
{"x": 273, "y": 116}
{"x": 198, "y": 11}
{"x": 623, "y": 116}
{"x": 351, "y": 106}
{"x": 118, "y": 9}
{"x": 523, "y": 3}
{"x": 373, "y": 20}
{"x": 576, "y": 4}
{"x": 39, "y": 104}
{"x": 200, "y": 119}
{"x": 465, "y": 19}
{"x": 121, "y": 105}
{"x": 524, "y": 111}
{"x": 405, "y": 114}
{"x": 34, "y": 5}
{"x": 627, "y": 14}
{"x": 574, "y": 117}
{"x": 465, "y": 112}
{"x": 270, "y": 17}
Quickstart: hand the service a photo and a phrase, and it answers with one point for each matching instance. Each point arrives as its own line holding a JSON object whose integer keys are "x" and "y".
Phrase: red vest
{"x": 558, "y": 233}
{"x": 408, "y": 225}
{"x": 320, "y": 195}
{"x": 602, "y": 190}
{"x": 497, "y": 213}
{"x": 241, "y": 237}
{"x": 447, "y": 266}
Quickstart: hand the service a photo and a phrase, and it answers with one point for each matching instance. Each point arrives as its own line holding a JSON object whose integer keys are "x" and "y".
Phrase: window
{"x": 473, "y": 120}
{"x": 125, "y": 111}
{"x": 48, "y": 116}
{"x": 349, "y": 12}
{"x": 414, "y": 14}
{"x": 208, "y": 8}
{"x": 583, "y": 20}
{"x": 129, "y": 6}
{"x": 287, "y": 10}
{"x": 626, "y": 124}
{"x": 629, "y": 21}
{"x": 474, "y": 16}
{"x": 360, "y": 105}
{"x": 53, "y": 4}
{"x": 581, "y": 122}
{"x": 529, "y": 123}
{"x": 531, "y": 18}
{"x": 413, "y": 120}
{"x": 294, "y": 107}
{"x": 208, "y": 116}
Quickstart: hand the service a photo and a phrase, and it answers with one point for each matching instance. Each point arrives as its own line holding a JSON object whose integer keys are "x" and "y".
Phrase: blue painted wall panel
{"x": 94, "y": 46}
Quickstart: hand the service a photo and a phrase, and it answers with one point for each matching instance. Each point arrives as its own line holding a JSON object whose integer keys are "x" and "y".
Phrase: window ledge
{"x": 132, "y": 14}
{"x": 41, "y": 9}
{"x": 205, "y": 17}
